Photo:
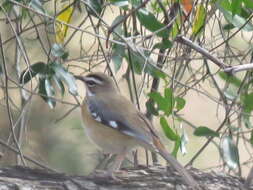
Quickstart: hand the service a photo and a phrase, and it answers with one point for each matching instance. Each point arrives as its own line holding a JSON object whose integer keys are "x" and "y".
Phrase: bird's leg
{"x": 104, "y": 162}
{"x": 116, "y": 165}
{"x": 109, "y": 174}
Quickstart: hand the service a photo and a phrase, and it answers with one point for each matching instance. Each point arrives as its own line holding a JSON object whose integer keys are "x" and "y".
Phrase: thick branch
{"x": 138, "y": 179}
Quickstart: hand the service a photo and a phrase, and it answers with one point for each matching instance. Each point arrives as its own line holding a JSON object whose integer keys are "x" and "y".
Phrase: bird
{"x": 114, "y": 124}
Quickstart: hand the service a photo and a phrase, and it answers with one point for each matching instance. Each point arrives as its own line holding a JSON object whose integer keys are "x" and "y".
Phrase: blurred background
{"x": 55, "y": 136}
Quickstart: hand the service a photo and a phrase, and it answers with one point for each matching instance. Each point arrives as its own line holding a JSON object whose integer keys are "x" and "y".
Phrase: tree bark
{"x": 156, "y": 177}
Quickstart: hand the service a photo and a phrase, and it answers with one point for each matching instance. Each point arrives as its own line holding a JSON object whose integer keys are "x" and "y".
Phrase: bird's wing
{"x": 122, "y": 115}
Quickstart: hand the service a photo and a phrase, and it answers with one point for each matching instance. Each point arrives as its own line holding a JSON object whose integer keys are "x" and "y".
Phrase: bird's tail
{"x": 176, "y": 165}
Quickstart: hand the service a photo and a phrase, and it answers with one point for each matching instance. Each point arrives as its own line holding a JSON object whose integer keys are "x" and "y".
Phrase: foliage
{"x": 141, "y": 42}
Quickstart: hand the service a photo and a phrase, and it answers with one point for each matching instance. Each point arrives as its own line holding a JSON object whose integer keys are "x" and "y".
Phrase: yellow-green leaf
{"x": 61, "y": 29}
{"x": 176, "y": 27}
{"x": 199, "y": 19}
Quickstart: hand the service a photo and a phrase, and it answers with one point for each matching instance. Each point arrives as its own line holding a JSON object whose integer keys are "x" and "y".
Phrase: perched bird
{"x": 114, "y": 124}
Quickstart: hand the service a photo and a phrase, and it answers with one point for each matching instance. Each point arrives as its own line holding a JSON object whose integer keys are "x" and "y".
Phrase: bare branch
{"x": 204, "y": 52}
{"x": 239, "y": 68}
{"x": 7, "y": 103}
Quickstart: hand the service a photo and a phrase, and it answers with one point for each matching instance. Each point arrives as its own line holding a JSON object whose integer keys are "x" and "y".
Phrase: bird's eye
{"x": 90, "y": 83}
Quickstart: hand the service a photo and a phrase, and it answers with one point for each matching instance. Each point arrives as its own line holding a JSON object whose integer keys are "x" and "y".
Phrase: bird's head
{"x": 97, "y": 83}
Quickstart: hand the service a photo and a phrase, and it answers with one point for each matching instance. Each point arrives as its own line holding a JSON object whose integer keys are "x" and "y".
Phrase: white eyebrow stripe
{"x": 94, "y": 80}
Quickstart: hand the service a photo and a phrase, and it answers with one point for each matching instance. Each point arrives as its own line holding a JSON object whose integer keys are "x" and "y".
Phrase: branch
{"x": 204, "y": 52}
{"x": 140, "y": 178}
{"x": 238, "y": 68}
{"x": 6, "y": 91}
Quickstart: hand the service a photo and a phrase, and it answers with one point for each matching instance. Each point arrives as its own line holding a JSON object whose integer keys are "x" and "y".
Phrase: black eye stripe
{"x": 91, "y": 83}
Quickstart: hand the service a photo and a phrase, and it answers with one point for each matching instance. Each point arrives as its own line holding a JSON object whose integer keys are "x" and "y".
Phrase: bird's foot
{"x": 106, "y": 176}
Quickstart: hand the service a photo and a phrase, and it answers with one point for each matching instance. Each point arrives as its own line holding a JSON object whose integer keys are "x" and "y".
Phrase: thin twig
{"x": 65, "y": 114}
{"x": 26, "y": 157}
{"x": 64, "y": 23}
{"x": 236, "y": 32}
{"x": 7, "y": 103}
{"x": 131, "y": 12}
{"x": 207, "y": 143}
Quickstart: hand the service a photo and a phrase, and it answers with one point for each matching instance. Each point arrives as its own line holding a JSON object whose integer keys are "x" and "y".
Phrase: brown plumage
{"x": 114, "y": 124}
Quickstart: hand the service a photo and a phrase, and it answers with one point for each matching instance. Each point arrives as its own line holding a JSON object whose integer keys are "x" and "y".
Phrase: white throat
{"x": 89, "y": 93}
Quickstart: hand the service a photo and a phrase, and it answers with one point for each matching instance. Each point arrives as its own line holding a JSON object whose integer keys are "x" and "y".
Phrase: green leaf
{"x": 169, "y": 98}
{"x": 42, "y": 88}
{"x": 118, "y": 53}
{"x": 50, "y": 93}
{"x": 154, "y": 71}
{"x": 168, "y": 93}
{"x": 176, "y": 27}
{"x": 248, "y": 102}
{"x": 163, "y": 103}
{"x": 136, "y": 3}
{"x": 236, "y": 6}
{"x": 58, "y": 51}
{"x": 157, "y": 97}
{"x": 230, "y": 79}
{"x": 165, "y": 44}
{"x": 199, "y": 20}
{"x": 37, "y": 5}
{"x": 117, "y": 61}
{"x": 117, "y": 29}
{"x": 168, "y": 131}
{"x": 149, "y": 21}
{"x": 230, "y": 93}
{"x": 62, "y": 74}
{"x": 180, "y": 103}
{"x": 7, "y": 6}
{"x": 120, "y": 3}
{"x": 156, "y": 8}
{"x": 246, "y": 120}
{"x": 248, "y": 4}
{"x": 137, "y": 62}
{"x": 228, "y": 26}
{"x": 236, "y": 20}
{"x": 205, "y": 132}
{"x": 59, "y": 84}
{"x": 32, "y": 71}
{"x": 95, "y": 7}
{"x": 251, "y": 138}
{"x": 183, "y": 141}
{"x": 151, "y": 108}
{"x": 233, "y": 128}
{"x": 176, "y": 147}
{"x": 229, "y": 152}
{"x": 46, "y": 91}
